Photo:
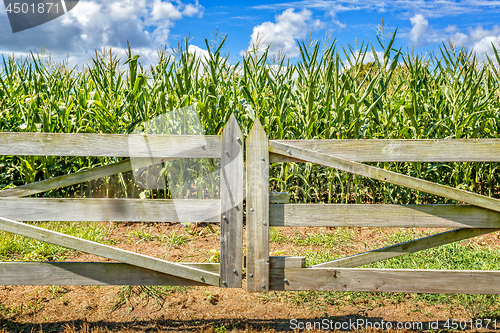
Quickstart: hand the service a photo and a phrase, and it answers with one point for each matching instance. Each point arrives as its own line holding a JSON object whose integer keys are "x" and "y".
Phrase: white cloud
{"x": 125, "y": 9}
{"x": 335, "y": 20}
{"x": 165, "y": 11}
{"x": 281, "y": 35}
{"x": 83, "y": 16}
{"x": 192, "y": 10}
{"x": 97, "y": 24}
{"x": 479, "y": 33}
{"x": 451, "y": 28}
{"x": 367, "y": 57}
{"x": 476, "y": 38}
{"x": 428, "y": 8}
{"x": 198, "y": 52}
{"x": 485, "y": 45}
{"x": 381, "y": 7}
{"x": 420, "y": 26}
{"x": 479, "y": 39}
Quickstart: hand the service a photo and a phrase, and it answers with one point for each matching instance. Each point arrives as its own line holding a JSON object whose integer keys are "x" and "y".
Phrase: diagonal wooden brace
{"x": 109, "y": 252}
{"x": 78, "y": 177}
{"x": 401, "y": 249}
{"x": 384, "y": 175}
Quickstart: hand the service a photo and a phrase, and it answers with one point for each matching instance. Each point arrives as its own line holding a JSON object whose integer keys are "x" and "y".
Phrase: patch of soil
{"x": 208, "y": 309}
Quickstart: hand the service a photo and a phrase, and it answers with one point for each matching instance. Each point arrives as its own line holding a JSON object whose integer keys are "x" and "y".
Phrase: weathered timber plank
{"x": 109, "y": 252}
{"x": 257, "y": 207}
{"x": 77, "y": 177}
{"x": 90, "y": 273}
{"x": 277, "y": 270}
{"x": 118, "y": 145}
{"x": 275, "y": 197}
{"x": 283, "y": 262}
{"x": 405, "y": 248}
{"x": 360, "y": 215}
{"x": 287, "y": 262}
{"x": 391, "y": 280}
{"x": 427, "y": 150}
{"x": 386, "y": 176}
{"x": 231, "y": 198}
{"x": 114, "y": 210}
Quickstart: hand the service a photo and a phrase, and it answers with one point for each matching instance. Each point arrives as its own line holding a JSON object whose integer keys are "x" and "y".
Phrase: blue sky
{"x": 149, "y": 24}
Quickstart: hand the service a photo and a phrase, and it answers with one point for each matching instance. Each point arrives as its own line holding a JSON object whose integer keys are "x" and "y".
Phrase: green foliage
{"x": 326, "y": 239}
{"x": 275, "y": 236}
{"x": 18, "y": 248}
{"x": 458, "y": 255}
{"x": 141, "y": 235}
{"x": 174, "y": 238}
{"x": 455, "y": 256}
{"x": 329, "y": 93}
{"x": 214, "y": 256}
{"x": 220, "y": 328}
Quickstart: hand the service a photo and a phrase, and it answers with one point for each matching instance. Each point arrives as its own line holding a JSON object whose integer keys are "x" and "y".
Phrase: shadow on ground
{"x": 344, "y": 323}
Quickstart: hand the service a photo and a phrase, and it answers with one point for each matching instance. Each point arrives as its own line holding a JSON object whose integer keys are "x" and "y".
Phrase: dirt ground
{"x": 209, "y": 309}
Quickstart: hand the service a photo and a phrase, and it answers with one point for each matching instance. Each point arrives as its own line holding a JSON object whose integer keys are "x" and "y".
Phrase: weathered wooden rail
{"x": 478, "y": 215}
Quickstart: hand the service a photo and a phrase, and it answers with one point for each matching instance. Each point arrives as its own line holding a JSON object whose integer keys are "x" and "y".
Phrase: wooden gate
{"x": 132, "y": 268}
{"x": 480, "y": 215}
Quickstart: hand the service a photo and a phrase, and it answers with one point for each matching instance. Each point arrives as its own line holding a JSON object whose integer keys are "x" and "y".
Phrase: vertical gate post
{"x": 231, "y": 197}
{"x": 257, "y": 209}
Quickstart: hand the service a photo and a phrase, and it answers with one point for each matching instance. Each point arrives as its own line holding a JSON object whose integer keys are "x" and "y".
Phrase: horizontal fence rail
{"x": 112, "y": 145}
{"x": 382, "y": 215}
{"x": 389, "y": 280}
{"x": 91, "y": 273}
{"x": 385, "y": 150}
{"x": 113, "y": 210}
{"x": 112, "y": 273}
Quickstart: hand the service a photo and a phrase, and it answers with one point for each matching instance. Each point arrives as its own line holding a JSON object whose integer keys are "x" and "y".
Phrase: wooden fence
{"x": 133, "y": 268}
{"x": 477, "y": 216}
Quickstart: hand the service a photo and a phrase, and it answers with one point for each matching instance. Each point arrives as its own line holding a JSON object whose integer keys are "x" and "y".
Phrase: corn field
{"x": 328, "y": 93}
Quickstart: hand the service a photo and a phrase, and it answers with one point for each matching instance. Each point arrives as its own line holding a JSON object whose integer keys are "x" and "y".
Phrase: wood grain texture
{"x": 391, "y": 280}
{"x": 118, "y": 145}
{"x": 278, "y": 265}
{"x": 275, "y": 197}
{"x": 283, "y": 262}
{"x": 109, "y": 252}
{"x": 427, "y": 150}
{"x": 114, "y": 210}
{"x": 77, "y": 177}
{"x": 287, "y": 262}
{"x": 90, "y": 273}
{"x": 385, "y": 176}
{"x": 257, "y": 206}
{"x": 401, "y": 216}
{"x": 231, "y": 198}
{"x": 405, "y": 248}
